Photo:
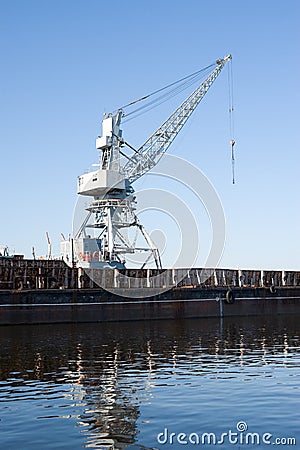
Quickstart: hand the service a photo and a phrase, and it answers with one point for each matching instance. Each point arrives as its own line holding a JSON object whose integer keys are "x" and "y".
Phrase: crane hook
{"x": 232, "y": 143}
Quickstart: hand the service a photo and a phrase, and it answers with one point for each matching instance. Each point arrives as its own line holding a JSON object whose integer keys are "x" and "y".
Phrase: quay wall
{"x": 34, "y": 291}
{"x": 19, "y": 274}
{"x": 92, "y": 305}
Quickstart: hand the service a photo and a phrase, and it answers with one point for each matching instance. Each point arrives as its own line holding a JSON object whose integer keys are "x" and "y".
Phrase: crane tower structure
{"x": 112, "y": 208}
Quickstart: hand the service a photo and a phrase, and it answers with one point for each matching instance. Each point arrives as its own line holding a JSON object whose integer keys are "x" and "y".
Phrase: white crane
{"x": 112, "y": 209}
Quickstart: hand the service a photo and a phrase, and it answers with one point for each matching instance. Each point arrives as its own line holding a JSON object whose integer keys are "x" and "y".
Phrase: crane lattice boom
{"x": 156, "y": 145}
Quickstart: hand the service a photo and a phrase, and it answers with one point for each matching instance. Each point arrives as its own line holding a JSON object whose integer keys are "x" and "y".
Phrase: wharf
{"x": 35, "y": 291}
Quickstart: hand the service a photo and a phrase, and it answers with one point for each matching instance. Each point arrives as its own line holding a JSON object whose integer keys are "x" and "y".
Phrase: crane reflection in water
{"x": 105, "y": 373}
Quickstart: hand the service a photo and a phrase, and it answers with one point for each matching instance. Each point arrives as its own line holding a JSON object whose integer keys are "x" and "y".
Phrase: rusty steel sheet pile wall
{"x": 27, "y": 274}
{"x": 35, "y": 274}
{"x": 49, "y": 291}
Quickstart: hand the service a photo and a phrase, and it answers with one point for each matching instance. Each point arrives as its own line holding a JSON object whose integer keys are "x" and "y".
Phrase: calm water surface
{"x": 131, "y": 385}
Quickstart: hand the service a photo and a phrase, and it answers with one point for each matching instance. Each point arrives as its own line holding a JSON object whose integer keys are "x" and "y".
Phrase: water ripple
{"x": 115, "y": 386}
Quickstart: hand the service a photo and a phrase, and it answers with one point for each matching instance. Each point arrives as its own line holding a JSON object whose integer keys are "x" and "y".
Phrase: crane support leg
{"x": 153, "y": 248}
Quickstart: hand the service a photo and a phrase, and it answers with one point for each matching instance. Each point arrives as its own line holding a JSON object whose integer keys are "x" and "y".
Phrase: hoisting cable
{"x": 231, "y": 117}
{"x": 166, "y": 87}
{"x": 181, "y": 84}
{"x": 161, "y": 99}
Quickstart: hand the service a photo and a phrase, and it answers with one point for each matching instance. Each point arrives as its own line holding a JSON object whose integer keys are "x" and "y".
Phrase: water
{"x": 130, "y": 385}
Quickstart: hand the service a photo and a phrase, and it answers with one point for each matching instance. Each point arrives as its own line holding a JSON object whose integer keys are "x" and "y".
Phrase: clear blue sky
{"x": 63, "y": 63}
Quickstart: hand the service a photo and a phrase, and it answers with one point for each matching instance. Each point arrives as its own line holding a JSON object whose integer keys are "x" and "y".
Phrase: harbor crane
{"x": 113, "y": 205}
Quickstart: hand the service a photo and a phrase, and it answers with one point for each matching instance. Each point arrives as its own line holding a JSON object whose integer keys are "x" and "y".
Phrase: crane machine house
{"x": 111, "y": 211}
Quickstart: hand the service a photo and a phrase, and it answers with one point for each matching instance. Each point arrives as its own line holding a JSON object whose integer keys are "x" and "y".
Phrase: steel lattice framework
{"x": 113, "y": 206}
{"x": 157, "y": 144}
